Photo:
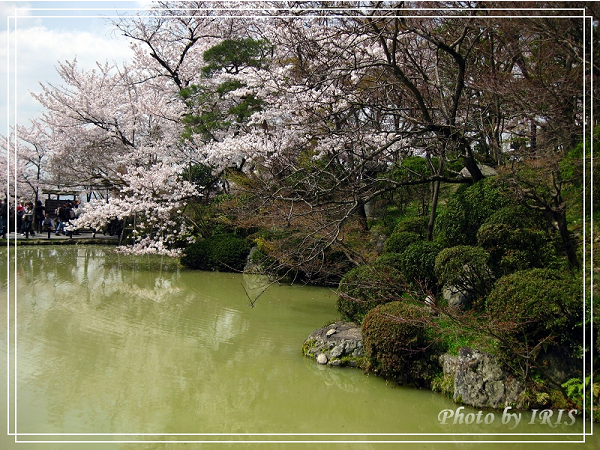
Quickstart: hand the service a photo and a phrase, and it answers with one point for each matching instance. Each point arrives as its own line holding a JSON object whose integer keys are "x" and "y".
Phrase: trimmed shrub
{"x": 418, "y": 262}
{"x": 389, "y": 260}
{"x": 396, "y": 343}
{"x": 413, "y": 225}
{"x": 465, "y": 268}
{"x": 399, "y": 241}
{"x": 468, "y": 209}
{"x": 540, "y": 303}
{"x": 225, "y": 252}
{"x": 512, "y": 249}
{"x": 518, "y": 216}
{"x": 365, "y": 287}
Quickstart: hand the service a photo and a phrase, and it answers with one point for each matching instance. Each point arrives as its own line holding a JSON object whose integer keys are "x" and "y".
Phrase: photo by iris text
{"x": 549, "y": 417}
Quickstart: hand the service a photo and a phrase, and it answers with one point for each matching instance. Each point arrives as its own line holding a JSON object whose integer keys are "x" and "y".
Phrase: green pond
{"x": 136, "y": 352}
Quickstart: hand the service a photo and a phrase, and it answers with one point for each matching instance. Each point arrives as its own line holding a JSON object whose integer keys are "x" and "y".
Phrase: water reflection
{"x": 114, "y": 344}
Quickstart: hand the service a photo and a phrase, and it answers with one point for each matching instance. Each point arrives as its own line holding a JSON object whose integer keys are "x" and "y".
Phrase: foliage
{"x": 396, "y": 342}
{"x": 389, "y": 260}
{"x": 304, "y": 108}
{"x": 413, "y": 225}
{"x": 464, "y": 267}
{"x": 226, "y": 252}
{"x": 365, "y": 287}
{"x": 418, "y": 262}
{"x": 231, "y": 55}
{"x": 399, "y": 241}
{"x": 574, "y": 390}
{"x": 290, "y": 254}
{"x": 518, "y": 216}
{"x": 517, "y": 249}
{"x": 468, "y": 209}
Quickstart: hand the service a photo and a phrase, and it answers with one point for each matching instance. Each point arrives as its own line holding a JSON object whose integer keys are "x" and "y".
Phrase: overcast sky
{"x": 47, "y": 32}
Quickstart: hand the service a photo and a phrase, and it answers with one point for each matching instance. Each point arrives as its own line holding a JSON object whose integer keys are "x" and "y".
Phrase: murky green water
{"x": 113, "y": 348}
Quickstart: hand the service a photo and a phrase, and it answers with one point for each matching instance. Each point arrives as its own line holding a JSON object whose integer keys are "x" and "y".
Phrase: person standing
{"x": 47, "y": 225}
{"x": 39, "y": 213}
{"x": 27, "y": 227}
{"x": 3, "y": 217}
{"x": 20, "y": 211}
{"x": 60, "y": 224}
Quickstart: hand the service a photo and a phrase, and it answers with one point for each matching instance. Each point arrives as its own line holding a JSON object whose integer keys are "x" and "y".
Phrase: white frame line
{"x": 582, "y": 15}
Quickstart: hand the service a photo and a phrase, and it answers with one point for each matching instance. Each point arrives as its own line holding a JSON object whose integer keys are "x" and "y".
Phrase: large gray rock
{"x": 340, "y": 343}
{"x": 486, "y": 171}
{"x": 457, "y": 298}
{"x": 479, "y": 380}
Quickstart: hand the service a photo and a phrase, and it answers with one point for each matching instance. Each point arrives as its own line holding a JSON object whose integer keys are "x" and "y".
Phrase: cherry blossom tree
{"x": 26, "y": 157}
{"x": 122, "y": 127}
{"x": 308, "y": 113}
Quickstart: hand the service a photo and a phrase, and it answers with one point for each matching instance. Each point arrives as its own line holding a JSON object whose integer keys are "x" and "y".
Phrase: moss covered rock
{"x": 338, "y": 344}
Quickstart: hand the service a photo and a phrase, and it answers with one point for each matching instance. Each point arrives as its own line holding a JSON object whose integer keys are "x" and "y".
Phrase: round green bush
{"x": 413, "y": 225}
{"x": 464, "y": 267}
{"x": 418, "y": 262}
{"x": 512, "y": 249}
{"x": 540, "y": 303}
{"x": 365, "y": 287}
{"x": 399, "y": 241}
{"x": 396, "y": 343}
{"x": 389, "y": 260}
{"x": 468, "y": 209}
{"x": 518, "y": 216}
{"x": 225, "y": 252}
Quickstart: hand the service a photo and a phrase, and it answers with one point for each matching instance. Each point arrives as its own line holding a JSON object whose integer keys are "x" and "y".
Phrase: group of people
{"x": 32, "y": 218}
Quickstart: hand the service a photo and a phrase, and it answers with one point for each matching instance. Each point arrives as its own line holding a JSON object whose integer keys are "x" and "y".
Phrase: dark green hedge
{"x": 225, "y": 252}
{"x": 464, "y": 267}
{"x": 512, "y": 249}
{"x": 519, "y": 216}
{"x": 413, "y": 225}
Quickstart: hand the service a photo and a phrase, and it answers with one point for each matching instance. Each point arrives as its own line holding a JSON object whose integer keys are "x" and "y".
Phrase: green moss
{"x": 353, "y": 361}
{"x": 308, "y": 345}
{"x": 444, "y": 384}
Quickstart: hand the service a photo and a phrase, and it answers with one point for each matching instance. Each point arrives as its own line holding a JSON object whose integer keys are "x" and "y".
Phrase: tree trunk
{"x": 568, "y": 244}
{"x": 362, "y": 215}
{"x": 434, "y": 202}
{"x": 473, "y": 169}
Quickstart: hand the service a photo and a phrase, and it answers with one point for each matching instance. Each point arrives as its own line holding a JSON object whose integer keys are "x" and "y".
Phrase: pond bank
{"x": 472, "y": 378}
{"x": 83, "y": 238}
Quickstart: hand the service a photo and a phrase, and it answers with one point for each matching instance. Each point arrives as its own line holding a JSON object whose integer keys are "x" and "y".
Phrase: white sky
{"x": 42, "y": 39}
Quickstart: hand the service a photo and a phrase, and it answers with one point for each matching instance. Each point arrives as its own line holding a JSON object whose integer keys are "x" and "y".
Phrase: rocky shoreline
{"x": 471, "y": 378}
{"x": 338, "y": 344}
